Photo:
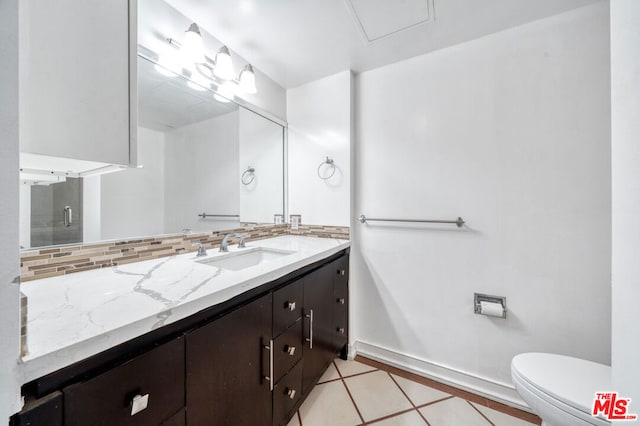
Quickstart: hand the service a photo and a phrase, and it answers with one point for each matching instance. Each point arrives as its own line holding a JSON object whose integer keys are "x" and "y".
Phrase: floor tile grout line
{"x": 359, "y": 374}
{"x": 389, "y": 416}
{"x": 481, "y": 413}
{"x": 353, "y": 400}
{"x": 333, "y": 361}
{"x": 330, "y": 381}
{"x": 421, "y": 415}
{"x": 407, "y": 396}
{"x": 466, "y": 395}
{"x": 435, "y": 402}
{"x": 401, "y": 390}
{"x": 352, "y": 375}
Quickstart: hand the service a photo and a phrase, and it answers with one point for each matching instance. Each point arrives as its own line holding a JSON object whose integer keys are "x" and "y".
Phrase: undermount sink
{"x": 236, "y": 261}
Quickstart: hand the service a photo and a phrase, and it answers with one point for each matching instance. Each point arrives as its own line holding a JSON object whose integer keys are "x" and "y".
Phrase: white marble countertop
{"x": 74, "y": 316}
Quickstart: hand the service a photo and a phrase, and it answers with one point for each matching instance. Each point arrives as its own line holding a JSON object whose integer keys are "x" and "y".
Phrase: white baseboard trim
{"x": 504, "y": 393}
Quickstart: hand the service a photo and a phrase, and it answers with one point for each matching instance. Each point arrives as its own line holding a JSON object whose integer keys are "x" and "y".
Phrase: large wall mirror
{"x": 199, "y": 154}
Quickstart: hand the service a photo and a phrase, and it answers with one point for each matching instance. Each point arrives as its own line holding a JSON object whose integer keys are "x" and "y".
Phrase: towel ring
{"x": 248, "y": 176}
{"x": 333, "y": 169}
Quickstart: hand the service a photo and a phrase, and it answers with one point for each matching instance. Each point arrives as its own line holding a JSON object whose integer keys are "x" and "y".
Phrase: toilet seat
{"x": 561, "y": 385}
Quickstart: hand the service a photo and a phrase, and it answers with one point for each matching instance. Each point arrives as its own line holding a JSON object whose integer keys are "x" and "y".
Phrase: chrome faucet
{"x": 224, "y": 245}
{"x": 201, "y": 250}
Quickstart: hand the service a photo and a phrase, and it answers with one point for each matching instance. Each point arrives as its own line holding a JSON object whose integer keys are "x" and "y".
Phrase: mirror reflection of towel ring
{"x": 248, "y": 176}
{"x": 330, "y": 162}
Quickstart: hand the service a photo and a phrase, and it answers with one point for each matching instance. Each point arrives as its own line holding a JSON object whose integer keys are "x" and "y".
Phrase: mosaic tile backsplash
{"x": 55, "y": 261}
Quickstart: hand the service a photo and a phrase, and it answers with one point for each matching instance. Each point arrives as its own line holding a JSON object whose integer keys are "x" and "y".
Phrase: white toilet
{"x": 560, "y": 389}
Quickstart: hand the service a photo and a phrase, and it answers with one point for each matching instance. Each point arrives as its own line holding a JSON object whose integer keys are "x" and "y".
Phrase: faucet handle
{"x": 241, "y": 244}
{"x": 201, "y": 250}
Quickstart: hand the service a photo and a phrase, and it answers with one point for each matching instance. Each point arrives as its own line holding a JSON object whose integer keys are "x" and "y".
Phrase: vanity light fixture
{"x": 205, "y": 70}
{"x": 247, "y": 80}
{"x": 192, "y": 46}
{"x": 223, "y": 67}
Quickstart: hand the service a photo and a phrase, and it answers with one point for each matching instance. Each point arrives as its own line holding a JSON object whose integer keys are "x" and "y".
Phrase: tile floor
{"x": 356, "y": 393}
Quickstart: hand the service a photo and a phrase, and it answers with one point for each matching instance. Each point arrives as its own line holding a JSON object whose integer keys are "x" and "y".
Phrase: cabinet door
{"x": 318, "y": 325}
{"x": 144, "y": 391}
{"x": 226, "y": 368}
{"x": 74, "y": 78}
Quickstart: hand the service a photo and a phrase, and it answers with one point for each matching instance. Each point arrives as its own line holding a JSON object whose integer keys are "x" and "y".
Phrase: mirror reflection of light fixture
{"x": 226, "y": 92}
{"x": 247, "y": 79}
{"x": 204, "y": 70}
{"x": 200, "y": 79}
{"x": 167, "y": 64}
{"x": 192, "y": 46}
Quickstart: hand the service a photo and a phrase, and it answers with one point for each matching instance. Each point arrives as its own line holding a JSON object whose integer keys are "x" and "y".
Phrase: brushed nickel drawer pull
{"x": 310, "y": 339}
{"x": 291, "y": 350}
{"x": 291, "y": 393}
{"x": 139, "y": 403}
{"x": 291, "y": 306}
{"x": 269, "y": 378}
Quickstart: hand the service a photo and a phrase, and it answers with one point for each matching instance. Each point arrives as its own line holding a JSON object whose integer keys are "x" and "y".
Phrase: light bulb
{"x": 226, "y": 92}
{"x": 192, "y": 46}
{"x": 248, "y": 80}
{"x": 224, "y": 64}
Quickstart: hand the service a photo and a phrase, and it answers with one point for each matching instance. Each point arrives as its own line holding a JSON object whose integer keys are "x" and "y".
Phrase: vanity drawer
{"x": 287, "y": 306}
{"x": 287, "y": 350}
{"x": 108, "y": 398}
{"x": 286, "y": 395}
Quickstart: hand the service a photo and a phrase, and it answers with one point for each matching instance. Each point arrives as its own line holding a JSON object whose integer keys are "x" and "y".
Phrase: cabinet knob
{"x": 139, "y": 403}
{"x": 291, "y": 393}
{"x": 340, "y": 300}
{"x": 340, "y": 330}
{"x": 291, "y": 350}
{"x": 340, "y": 271}
{"x": 291, "y": 306}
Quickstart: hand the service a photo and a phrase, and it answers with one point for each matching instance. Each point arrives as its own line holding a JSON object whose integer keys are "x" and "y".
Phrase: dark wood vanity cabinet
{"x": 248, "y": 361}
{"x": 341, "y": 305}
{"x": 228, "y": 366}
{"x": 110, "y": 398}
{"x": 319, "y": 325}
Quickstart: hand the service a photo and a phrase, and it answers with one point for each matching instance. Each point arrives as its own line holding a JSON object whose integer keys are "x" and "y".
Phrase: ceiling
{"x": 297, "y": 41}
{"x": 166, "y": 103}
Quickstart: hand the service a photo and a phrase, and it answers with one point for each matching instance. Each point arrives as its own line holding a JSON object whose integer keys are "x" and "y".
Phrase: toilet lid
{"x": 570, "y": 380}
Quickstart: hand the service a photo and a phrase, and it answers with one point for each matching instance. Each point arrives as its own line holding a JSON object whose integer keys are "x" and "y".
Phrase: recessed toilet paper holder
{"x": 494, "y": 301}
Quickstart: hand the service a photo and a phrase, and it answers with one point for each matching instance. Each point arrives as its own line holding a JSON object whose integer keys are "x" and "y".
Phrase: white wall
{"x": 261, "y": 146}
{"x": 132, "y": 201}
{"x": 201, "y": 174}
{"x": 9, "y": 213}
{"x": 625, "y": 126}
{"x": 319, "y": 118}
{"x": 511, "y": 132}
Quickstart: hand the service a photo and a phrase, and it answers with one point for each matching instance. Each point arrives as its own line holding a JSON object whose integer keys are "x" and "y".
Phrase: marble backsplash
{"x": 55, "y": 261}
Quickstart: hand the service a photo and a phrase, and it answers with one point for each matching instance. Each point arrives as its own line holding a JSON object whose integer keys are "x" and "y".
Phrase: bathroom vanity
{"x": 244, "y": 346}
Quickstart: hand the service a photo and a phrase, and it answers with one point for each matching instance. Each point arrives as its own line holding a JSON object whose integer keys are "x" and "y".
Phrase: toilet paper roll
{"x": 492, "y": 309}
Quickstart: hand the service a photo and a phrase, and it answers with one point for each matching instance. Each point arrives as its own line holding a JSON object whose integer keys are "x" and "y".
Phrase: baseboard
{"x": 504, "y": 393}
